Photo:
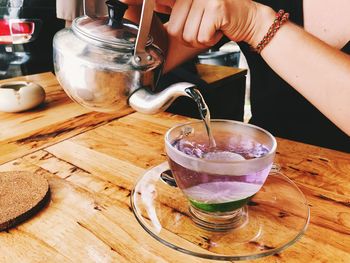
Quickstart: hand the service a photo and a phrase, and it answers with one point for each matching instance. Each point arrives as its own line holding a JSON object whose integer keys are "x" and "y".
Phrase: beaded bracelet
{"x": 280, "y": 19}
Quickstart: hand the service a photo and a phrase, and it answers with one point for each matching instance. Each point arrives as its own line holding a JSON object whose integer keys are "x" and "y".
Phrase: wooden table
{"x": 92, "y": 161}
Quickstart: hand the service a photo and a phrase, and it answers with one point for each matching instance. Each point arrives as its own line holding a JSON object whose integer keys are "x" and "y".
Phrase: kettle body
{"x": 108, "y": 63}
{"x": 98, "y": 76}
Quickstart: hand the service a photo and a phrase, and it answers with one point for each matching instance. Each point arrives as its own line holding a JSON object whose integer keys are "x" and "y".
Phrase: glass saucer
{"x": 277, "y": 216}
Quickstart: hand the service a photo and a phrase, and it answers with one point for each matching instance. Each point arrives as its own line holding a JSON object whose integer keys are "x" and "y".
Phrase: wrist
{"x": 264, "y": 17}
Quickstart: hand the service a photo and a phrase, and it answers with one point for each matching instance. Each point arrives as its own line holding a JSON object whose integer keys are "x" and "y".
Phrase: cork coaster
{"x": 22, "y": 194}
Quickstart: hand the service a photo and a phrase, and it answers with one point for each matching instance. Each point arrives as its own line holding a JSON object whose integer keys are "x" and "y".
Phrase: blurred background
{"x": 26, "y": 31}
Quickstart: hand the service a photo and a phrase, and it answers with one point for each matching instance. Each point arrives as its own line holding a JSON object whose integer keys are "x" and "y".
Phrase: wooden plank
{"x": 217, "y": 75}
{"x": 84, "y": 222}
{"x": 104, "y": 150}
{"x": 315, "y": 166}
{"x": 57, "y": 119}
{"x": 92, "y": 162}
{"x": 91, "y": 184}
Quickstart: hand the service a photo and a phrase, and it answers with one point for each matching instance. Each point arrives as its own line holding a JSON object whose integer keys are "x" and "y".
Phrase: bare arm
{"x": 318, "y": 71}
{"x": 70, "y": 9}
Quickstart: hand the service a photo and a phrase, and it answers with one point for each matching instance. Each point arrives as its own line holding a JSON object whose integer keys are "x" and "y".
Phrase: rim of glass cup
{"x": 266, "y": 156}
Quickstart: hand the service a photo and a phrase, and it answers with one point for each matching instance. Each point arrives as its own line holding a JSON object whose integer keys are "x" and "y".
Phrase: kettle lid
{"x": 111, "y": 30}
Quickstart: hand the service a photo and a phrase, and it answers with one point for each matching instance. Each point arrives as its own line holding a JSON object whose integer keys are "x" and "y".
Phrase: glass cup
{"x": 219, "y": 181}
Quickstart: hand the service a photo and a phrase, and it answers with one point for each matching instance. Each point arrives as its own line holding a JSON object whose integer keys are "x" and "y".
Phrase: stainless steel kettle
{"x": 108, "y": 63}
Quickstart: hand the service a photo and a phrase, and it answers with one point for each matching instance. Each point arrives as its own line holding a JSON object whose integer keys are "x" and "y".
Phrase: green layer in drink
{"x": 220, "y": 207}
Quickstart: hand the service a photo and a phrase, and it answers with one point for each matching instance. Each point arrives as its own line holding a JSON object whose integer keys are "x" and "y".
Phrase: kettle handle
{"x": 140, "y": 55}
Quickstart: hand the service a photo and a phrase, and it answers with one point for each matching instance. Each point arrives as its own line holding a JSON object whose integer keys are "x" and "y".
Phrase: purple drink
{"x": 224, "y": 178}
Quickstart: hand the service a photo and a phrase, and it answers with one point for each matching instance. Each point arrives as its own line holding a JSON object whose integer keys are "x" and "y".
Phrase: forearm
{"x": 322, "y": 76}
{"x": 68, "y": 10}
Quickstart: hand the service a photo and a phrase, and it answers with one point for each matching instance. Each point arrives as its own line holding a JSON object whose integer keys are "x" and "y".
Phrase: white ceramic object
{"x": 19, "y": 96}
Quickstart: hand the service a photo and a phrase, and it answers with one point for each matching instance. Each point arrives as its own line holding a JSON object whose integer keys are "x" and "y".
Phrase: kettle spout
{"x": 146, "y": 102}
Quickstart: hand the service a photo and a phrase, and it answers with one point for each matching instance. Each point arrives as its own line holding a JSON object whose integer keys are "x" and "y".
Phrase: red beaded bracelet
{"x": 281, "y": 18}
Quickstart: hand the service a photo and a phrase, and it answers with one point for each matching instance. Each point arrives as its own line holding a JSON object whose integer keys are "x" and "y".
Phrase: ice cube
{"x": 223, "y": 156}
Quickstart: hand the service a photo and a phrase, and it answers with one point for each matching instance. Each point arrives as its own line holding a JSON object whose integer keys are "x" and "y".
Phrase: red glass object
{"x": 16, "y": 31}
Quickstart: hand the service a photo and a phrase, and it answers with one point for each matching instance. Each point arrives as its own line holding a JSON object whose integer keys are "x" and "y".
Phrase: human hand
{"x": 164, "y": 6}
{"x": 200, "y": 24}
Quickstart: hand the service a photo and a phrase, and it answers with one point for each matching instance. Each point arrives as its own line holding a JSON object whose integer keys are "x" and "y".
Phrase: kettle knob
{"x": 116, "y": 11}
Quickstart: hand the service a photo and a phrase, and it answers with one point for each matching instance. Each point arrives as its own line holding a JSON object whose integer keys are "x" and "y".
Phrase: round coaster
{"x": 22, "y": 194}
{"x": 276, "y": 217}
